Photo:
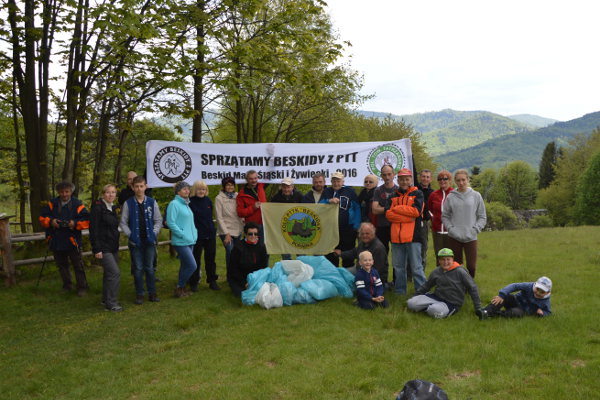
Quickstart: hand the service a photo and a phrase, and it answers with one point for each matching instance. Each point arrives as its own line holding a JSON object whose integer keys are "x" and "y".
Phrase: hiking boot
{"x": 139, "y": 300}
{"x": 153, "y": 298}
{"x": 194, "y": 288}
{"x": 81, "y": 292}
{"x": 214, "y": 285}
{"x": 180, "y": 292}
{"x": 481, "y": 313}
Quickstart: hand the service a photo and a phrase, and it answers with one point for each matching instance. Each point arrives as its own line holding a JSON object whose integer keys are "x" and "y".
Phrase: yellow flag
{"x": 300, "y": 228}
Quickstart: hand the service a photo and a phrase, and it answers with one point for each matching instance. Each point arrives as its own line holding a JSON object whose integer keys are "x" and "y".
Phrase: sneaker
{"x": 139, "y": 300}
{"x": 153, "y": 298}
{"x": 214, "y": 285}
{"x": 116, "y": 308}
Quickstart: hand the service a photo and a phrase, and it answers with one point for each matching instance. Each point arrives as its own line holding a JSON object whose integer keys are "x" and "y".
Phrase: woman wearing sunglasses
{"x": 435, "y": 205}
{"x": 248, "y": 255}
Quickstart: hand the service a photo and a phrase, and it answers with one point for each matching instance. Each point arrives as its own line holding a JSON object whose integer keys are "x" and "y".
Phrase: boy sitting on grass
{"x": 369, "y": 288}
{"x": 451, "y": 281}
{"x": 533, "y": 298}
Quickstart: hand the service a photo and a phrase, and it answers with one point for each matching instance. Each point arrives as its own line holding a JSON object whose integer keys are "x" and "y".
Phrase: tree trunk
{"x": 199, "y": 78}
{"x": 20, "y": 180}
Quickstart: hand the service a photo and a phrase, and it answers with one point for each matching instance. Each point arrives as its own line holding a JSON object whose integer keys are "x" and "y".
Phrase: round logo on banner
{"x": 389, "y": 154}
{"x": 301, "y": 227}
{"x": 172, "y": 164}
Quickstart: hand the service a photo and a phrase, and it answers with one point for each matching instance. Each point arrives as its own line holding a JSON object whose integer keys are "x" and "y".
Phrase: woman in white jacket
{"x": 229, "y": 225}
{"x": 464, "y": 217}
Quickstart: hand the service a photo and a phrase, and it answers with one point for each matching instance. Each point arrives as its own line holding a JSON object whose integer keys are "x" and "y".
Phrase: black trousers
{"x": 62, "y": 261}
{"x": 209, "y": 248}
{"x": 347, "y": 242}
{"x": 510, "y": 308}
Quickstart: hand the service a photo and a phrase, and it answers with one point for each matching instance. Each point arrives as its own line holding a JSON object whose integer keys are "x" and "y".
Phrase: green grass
{"x": 57, "y": 346}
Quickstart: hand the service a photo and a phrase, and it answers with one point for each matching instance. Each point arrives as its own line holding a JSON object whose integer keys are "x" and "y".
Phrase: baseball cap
{"x": 445, "y": 253}
{"x": 287, "y": 181}
{"x": 544, "y": 283}
{"x": 337, "y": 175}
{"x": 405, "y": 172}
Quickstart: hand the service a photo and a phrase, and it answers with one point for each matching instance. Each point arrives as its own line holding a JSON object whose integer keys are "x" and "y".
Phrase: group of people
{"x": 396, "y": 215}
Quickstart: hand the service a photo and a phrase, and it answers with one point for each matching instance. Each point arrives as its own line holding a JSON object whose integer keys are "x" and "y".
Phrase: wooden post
{"x": 6, "y": 251}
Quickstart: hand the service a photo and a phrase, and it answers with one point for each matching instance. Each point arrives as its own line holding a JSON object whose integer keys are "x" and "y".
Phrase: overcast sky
{"x": 508, "y": 57}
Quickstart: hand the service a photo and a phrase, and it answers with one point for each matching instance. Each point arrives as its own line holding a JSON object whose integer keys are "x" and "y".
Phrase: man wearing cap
{"x": 287, "y": 193}
{"x": 64, "y": 217}
{"x": 404, "y": 213}
{"x": 349, "y": 215}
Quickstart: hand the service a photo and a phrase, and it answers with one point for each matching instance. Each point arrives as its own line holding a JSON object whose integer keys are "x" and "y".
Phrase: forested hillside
{"x": 523, "y": 146}
{"x": 450, "y": 130}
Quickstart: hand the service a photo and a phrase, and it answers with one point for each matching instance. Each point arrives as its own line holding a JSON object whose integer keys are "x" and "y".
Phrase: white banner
{"x": 170, "y": 162}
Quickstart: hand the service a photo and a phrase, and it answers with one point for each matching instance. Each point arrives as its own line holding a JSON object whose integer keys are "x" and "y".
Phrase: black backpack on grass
{"x": 421, "y": 390}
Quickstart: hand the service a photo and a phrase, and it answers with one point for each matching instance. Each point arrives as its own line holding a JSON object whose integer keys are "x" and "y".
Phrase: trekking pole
{"x": 42, "y": 269}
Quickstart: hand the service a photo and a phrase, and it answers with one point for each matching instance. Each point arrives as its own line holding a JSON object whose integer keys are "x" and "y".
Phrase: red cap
{"x": 405, "y": 172}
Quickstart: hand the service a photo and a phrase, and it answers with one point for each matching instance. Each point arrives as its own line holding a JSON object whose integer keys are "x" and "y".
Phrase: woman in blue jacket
{"x": 180, "y": 221}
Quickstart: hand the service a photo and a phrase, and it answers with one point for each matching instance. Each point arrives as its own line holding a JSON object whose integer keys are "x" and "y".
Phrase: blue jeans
{"x": 143, "y": 255}
{"x": 187, "y": 263}
{"x": 401, "y": 253}
{"x": 228, "y": 248}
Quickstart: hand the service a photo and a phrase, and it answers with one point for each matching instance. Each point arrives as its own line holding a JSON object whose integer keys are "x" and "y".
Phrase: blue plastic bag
{"x": 319, "y": 289}
{"x": 255, "y": 282}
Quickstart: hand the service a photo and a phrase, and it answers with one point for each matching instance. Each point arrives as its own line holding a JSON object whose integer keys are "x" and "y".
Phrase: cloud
{"x": 506, "y": 57}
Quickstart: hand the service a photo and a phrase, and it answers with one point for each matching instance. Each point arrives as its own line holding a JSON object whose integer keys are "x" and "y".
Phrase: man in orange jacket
{"x": 405, "y": 212}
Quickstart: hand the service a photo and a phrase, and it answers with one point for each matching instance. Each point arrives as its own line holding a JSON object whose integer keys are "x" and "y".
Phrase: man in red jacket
{"x": 249, "y": 200}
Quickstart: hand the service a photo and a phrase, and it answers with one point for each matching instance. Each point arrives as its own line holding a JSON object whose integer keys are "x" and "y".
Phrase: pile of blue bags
{"x": 305, "y": 280}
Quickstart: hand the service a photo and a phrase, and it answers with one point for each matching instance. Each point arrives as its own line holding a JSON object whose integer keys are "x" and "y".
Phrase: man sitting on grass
{"x": 451, "y": 282}
{"x": 369, "y": 288}
{"x": 533, "y": 298}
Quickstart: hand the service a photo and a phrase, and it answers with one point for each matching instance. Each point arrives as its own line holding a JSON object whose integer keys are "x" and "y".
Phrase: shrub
{"x": 500, "y": 217}
{"x": 541, "y": 221}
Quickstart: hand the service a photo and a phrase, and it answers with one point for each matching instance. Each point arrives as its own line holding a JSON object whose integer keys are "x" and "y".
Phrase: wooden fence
{"x": 6, "y": 249}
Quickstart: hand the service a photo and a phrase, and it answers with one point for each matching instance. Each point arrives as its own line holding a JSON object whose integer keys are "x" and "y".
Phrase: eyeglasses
{"x": 252, "y": 234}
{"x": 368, "y": 182}
{"x": 443, "y": 179}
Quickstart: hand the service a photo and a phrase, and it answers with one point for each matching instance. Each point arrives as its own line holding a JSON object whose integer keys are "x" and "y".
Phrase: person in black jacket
{"x": 104, "y": 237}
{"x": 202, "y": 207}
{"x": 248, "y": 255}
{"x": 64, "y": 217}
{"x": 287, "y": 193}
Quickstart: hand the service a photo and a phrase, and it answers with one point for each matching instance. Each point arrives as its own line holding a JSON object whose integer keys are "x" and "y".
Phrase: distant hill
{"x": 450, "y": 130}
{"x": 527, "y": 146}
{"x": 533, "y": 120}
{"x": 183, "y": 126}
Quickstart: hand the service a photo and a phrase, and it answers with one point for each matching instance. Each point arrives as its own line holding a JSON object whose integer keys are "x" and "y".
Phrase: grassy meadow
{"x": 55, "y": 345}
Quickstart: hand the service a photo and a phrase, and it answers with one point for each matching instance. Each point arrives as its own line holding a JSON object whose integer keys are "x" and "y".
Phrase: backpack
{"x": 421, "y": 390}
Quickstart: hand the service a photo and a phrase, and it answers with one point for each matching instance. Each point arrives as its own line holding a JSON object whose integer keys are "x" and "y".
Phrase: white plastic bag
{"x": 297, "y": 271}
{"x": 269, "y": 296}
